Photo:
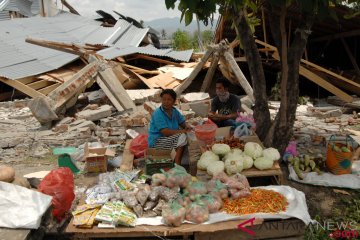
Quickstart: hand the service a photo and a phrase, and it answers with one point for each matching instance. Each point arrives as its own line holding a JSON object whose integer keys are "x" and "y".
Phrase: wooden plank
{"x": 337, "y": 35}
{"x": 49, "y": 89}
{"x": 270, "y": 229}
{"x": 210, "y": 73}
{"x": 140, "y": 70}
{"x": 146, "y": 81}
{"x": 146, "y": 230}
{"x": 324, "y": 84}
{"x": 313, "y": 65}
{"x": 352, "y": 59}
{"x": 108, "y": 93}
{"x": 27, "y": 80}
{"x": 22, "y": 88}
{"x": 127, "y": 157}
{"x": 115, "y": 87}
{"x": 40, "y": 84}
{"x": 195, "y": 72}
{"x": 163, "y": 79}
{"x": 146, "y": 57}
{"x": 239, "y": 75}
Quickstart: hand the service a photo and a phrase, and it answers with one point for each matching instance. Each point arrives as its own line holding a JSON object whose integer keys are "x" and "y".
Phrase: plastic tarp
{"x": 297, "y": 208}
{"x": 21, "y": 207}
{"x": 327, "y": 179}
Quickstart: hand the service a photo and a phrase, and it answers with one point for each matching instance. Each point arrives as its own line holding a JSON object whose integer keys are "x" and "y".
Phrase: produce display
{"x": 173, "y": 214}
{"x": 305, "y": 164}
{"x": 223, "y": 158}
{"x": 233, "y": 142}
{"x": 259, "y": 201}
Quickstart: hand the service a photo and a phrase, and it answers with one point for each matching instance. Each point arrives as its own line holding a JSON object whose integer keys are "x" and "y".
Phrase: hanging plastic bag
{"x": 139, "y": 145}
{"x": 59, "y": 184}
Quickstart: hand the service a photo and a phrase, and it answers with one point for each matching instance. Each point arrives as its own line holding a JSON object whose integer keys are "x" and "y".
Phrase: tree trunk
{"x": 261, "y": 109}
{"x": 283, "y": 129}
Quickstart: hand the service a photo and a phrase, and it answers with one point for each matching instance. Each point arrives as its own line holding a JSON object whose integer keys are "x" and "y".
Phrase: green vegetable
{"x": 302, "y": 167}
{"x": 312, "y": 164}
{"x": 345, "y": 149}
{"x": 307, "y": 160}
{"x": 337, "y": 149}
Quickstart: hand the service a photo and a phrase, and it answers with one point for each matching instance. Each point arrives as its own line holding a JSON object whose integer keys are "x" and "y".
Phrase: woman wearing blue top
{"x": 165, "y": 123}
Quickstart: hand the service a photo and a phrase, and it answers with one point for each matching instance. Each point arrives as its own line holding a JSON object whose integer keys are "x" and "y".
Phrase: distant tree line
{"x": 183, "y": 40}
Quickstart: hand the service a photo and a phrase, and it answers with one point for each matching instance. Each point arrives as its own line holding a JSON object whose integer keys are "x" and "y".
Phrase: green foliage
{"x": 207, "y": 37}
{"x": 181, "y": 40}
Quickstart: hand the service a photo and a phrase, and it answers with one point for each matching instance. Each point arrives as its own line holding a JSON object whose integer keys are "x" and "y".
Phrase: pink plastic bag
{"x": 59, "y": 184}
{"x": 139, "y": 145}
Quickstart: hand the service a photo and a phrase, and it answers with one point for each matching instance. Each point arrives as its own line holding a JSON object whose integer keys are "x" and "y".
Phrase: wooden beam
{"x": 71, "y": 9}
{"x": 239, "y": 75}
{"x": 320, "y": 81}
{"x": 317, "y": 67}
{"x": 325, "y": 84}
{"x": 163, "y": 80}
{"x": 337, "y": 35}
{"x": 26, "y": 80}
{"x": 108, "y": 93}
{"x": 210, "y": 73}
{"x": 146, "y": 81}
{"x": 118, "y": 91}
{"x": 146, "y": 57}
{"x": 194, "y": 73}
{"x": 352, "y": 59}
{"x": 22, "y": 88}
{"x": 40, "y": 84}
{"x": 49, "y": 89}
{"x": 139, "y": 70}
{"x": 68, "y": 48}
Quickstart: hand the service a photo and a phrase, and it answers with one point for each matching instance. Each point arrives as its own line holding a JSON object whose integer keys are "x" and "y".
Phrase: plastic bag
{"x": 197, "y": 212}
{"x": 173, "y": 214}
{"x": 196, "y": 188}
{"x": 182, "y": 178}
{"x": 59, "y": 184}
{"x": 213, "y": 203}
{"x": 139, "y": 145}
{"x": 217, "y": 188}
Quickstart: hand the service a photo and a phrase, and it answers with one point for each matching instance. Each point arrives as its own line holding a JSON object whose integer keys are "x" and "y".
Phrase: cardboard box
{"x": 96, "y": 158}
{"x": 157, "y": 159}
{"x": 222, "y": 132}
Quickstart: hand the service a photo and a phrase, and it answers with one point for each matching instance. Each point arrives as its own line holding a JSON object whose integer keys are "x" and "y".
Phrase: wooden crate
{"x": 274, "y": 172}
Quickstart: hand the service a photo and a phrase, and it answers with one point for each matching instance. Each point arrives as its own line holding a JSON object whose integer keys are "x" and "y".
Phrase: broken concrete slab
{"x": 97, "y": 114}
{"x": 83, "y": 124}
{"x": 195, "y": 96}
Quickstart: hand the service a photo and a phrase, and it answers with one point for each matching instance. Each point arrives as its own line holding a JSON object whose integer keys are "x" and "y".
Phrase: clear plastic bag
{"x": 173, "y": 214}
{"x": 213, "y": 203}
{"x": 197, "y": 212}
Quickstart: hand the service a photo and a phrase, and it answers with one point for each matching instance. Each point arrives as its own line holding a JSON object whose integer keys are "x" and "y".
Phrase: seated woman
{"x": 164, "y": 132}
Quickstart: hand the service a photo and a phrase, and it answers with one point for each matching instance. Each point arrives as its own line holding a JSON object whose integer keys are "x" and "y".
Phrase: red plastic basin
{"x": 206, "y": 133}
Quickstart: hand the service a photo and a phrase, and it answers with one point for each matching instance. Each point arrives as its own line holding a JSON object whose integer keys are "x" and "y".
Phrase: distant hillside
{"x": 172, "y": 24}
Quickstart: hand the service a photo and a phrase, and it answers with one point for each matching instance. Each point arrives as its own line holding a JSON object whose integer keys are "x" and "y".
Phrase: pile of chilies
{"x": 259, "y": 201}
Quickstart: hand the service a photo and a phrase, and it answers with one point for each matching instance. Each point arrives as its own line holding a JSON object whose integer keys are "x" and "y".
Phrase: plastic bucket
{"x": 205, "y": 133}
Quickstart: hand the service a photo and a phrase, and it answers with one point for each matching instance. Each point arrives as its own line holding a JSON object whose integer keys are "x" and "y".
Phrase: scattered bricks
{"x": 83, "y": 124}
{"x": 150, "y": 106}
{"x": 93, "y": 115}
{"x": 91, "y": 107}
{"x": 61, "y": 128}
{"x": 137, "y": 122}
{"x": 116, "y": 131}
{"x": 85, "y": 131}
{"x": 66, "y": 120}
{"x": 102, "y": 134}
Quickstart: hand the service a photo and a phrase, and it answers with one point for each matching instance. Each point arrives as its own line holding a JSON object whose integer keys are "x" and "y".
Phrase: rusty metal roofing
{"x": 113, "y": 52}
{"x": 24, "y": 59}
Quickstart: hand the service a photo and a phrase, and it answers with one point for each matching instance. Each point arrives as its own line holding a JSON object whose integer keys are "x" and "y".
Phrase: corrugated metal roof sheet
{"x": 3, "y": 4}
{"x": 27, "y": 59}
{"x": 4, "y": 15}
{"x": 11, "y": 6}
{"x": 113, "y": 52}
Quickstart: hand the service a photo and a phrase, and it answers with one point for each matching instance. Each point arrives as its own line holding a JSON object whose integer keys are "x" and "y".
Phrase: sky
{"x": 145, "y": 10}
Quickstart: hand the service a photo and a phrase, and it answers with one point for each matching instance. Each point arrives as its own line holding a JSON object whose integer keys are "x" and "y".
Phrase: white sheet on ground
{"x": 327, "y": 179}
{"x": 297, "y": 208}
{"x": 21, "y": 207}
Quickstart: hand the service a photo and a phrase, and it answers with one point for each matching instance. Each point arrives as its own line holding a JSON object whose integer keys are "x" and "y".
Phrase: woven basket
{"x": 339, "y": 162}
